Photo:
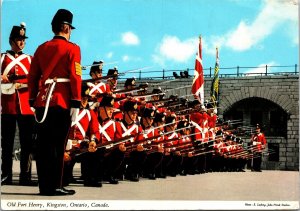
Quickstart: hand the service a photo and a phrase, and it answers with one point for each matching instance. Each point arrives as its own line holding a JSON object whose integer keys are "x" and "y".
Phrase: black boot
{"x": 92, "y": 182}
{"x": 6, "y": 180}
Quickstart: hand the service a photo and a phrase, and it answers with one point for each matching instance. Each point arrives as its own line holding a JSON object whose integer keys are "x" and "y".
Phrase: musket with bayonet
{"x": 14, "y": 77}
{"x": 123, "y": 91}
{"x": 148, "y": 141}
{"x": 100, "y": 78}
{"x": 84, "y": 67}
{"x": 112, "y": 75}
{"x": 141, "y": 87}
{"x": 108, "y": 144}
{"x": 171, "y": 98}
{"x": 9, "y": 87}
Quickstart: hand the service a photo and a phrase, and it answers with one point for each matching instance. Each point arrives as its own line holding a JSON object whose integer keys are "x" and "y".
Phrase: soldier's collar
{"x": 14, "y": 53}
{"x": 144, "y": 127}
{"x": 60, "y": 37}
{"x": 126, "y": 124}
{"x": 101, "y": 121}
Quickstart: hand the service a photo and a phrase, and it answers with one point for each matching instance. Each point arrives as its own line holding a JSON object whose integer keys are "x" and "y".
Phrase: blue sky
{"x": 163, "y": 34}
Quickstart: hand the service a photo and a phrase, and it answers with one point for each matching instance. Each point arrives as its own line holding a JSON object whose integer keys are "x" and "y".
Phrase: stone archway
{"x": 255, "y": 110}
{"x": 282, "y": 100}
{"x": 289, "y": 145}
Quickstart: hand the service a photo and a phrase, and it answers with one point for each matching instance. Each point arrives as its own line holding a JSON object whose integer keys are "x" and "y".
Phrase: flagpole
{"x": 200, "y": 43}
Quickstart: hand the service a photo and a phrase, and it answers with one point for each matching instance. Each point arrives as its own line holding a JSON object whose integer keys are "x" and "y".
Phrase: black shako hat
{"x": 112, "y": 72}
{"x": 130, "y": 106}
{"x": 18, "y": 32}
{"x": 157, "y": 91}
{"x": 149, "y": 112}
{"x": 159, "y": 117}
{"x": 170, "y": 119}
{"x": 63, "y": 16}
{"x": 219, "y": 133}
{"x": 95, "y": 66}
{"x": 107, "y": 101}
{"x": 258, "y": 126}
{"x": 130, "y": 82}
{"x": 182, "y": 124}
{"x": 209, "y": 106}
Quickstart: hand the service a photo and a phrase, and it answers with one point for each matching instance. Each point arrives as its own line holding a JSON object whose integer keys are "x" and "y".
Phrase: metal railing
{"x": 237, "y": 71}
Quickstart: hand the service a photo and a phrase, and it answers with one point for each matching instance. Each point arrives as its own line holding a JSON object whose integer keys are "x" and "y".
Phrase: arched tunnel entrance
{"x": 273, "y": 119}
{"x": 255, "y": 110}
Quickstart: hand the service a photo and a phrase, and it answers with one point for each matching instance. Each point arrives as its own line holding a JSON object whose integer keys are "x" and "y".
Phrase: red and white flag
{"x": 198, "y": 82}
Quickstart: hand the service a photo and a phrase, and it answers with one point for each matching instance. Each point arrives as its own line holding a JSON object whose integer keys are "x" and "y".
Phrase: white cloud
{"x": 171, "y": 48}
{"x": 261, "y": 69}
{"x": 127, "y": 58}
{"x": 209, "y": 44}
{"x": 246, "y": 35}
{"x": 159, "y": 60}
{"x": 109, "y": 55}
{"x": 129, "y": 38}
{"x": 249, "y": 34}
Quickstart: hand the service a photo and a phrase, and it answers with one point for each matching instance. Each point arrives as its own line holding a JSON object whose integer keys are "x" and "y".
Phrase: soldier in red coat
{"x": 258, "y": 142}
{"x": 154, "y": 158}
{"x": 112, "y": 81}
{"x": 84, "y": 130}
{"x": 96, "y": 69}
{"x": 55, "y": 92}
{"x": 186, "y": 146}
{"x": 158, "y": 123}
{"x": 135, "y": 151}
{"x": 15, "y": 107}
{"x": 199, "y": 138}
{"x": 97, "y": 88}
{"x": 114, "y": 155}
{"x": 173, "y": 159}
{"x": 218, "y": 146}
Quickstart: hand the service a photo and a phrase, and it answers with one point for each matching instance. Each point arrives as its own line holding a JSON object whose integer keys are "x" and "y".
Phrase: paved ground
{"x": 225, "y": 186}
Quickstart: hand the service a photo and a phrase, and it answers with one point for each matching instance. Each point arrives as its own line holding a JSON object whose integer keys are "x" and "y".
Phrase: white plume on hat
{"x": 23, "y": 24}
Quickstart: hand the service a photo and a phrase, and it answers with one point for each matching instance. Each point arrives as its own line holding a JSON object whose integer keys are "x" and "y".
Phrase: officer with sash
{"x": 15, "y": 65}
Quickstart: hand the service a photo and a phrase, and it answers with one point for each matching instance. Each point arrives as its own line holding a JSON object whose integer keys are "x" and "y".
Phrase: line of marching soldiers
{"x": 120, "y": 135}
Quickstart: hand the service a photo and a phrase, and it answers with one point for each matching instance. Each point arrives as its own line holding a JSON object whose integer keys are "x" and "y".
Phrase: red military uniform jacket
{"x": 239, "y": 151}
{"x": 157, "y": 132}
{"x": 184, "y": 139}
{"x": 118, "y": 105}
{"x": 259, "y": 140}
{"x": 107, "y": 131}
{"x": 16, "y": 64}
{"x": 200, "y": 134}
{"x": 196, "y": 117}
{"x": 204, "y": 125}
{"x": 148, "y": 132}
{"x": 227, "y": 149}
{"x": 219, "y": 148}
{"x": 86, "y": 123}
{"x": 57, "y": 58}
{"x": 98, "y": 88}
{"x": 171, "y": 136}
{"x": 185, "y": 142}
{"x": 124, "y": 130}
{"x": 212, "y": 120}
